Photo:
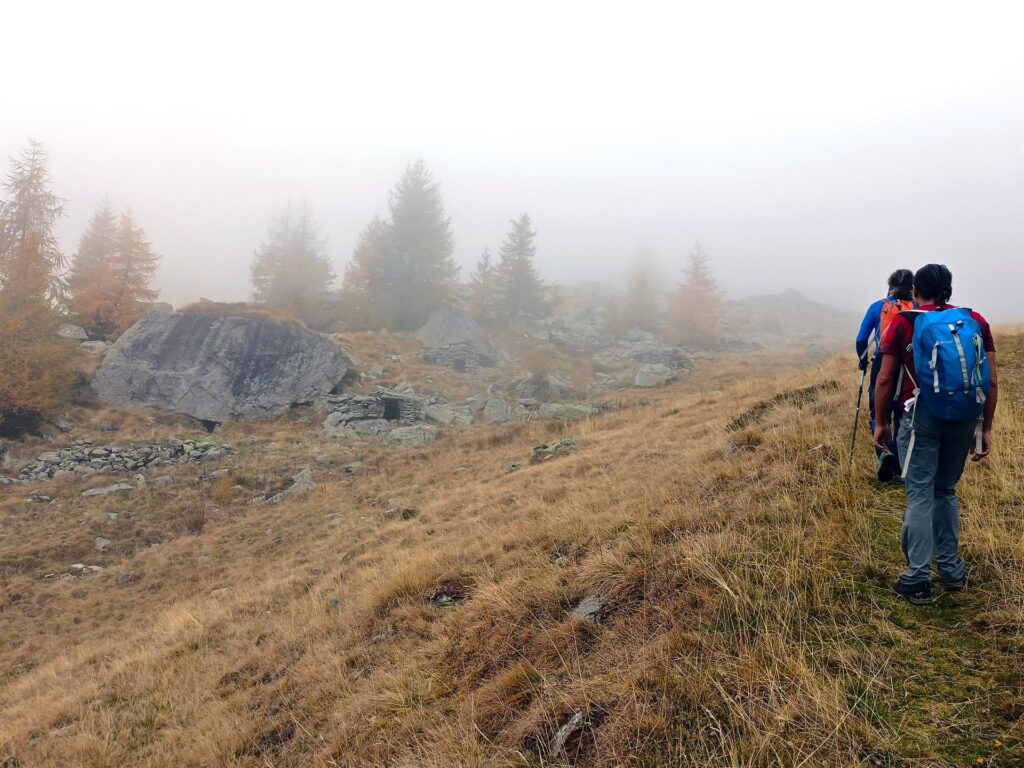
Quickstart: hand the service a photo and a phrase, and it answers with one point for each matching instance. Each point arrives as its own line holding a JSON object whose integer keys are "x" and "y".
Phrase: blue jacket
{"x": 872, "y": 323}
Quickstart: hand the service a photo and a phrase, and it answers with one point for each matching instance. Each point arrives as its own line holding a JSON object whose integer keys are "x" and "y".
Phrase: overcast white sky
{"x": 809, "y": 145}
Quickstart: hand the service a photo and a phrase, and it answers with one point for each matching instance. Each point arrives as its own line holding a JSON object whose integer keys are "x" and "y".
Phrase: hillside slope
{"x": 741, "y": 610}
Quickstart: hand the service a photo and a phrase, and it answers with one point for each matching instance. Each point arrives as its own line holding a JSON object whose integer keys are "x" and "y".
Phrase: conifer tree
{"x": 417, "y": 272}
{"x": 290, "y": 270}
{"x": 640, "y": 309}
{"x": 695, "y": 315}
{"x": 364, "y": 278}
{"x": 112, "y": 273}
{"x": 31, "y": 210}
{"x": 520, "y": 290}
{"x": 37, "y": 374}
{"x": 485, "y": 288}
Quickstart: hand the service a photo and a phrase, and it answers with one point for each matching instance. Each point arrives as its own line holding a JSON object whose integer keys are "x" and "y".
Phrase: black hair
{"x": 901, "y": 284}
{"x": 934, "y": 281}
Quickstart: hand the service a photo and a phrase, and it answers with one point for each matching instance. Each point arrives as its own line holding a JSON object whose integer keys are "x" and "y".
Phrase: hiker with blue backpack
{"x": 876, "y": 322}
{"x": 940, "y": 362}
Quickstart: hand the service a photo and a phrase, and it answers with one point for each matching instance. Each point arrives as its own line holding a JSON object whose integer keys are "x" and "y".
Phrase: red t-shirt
{"x": 900, "y": 334}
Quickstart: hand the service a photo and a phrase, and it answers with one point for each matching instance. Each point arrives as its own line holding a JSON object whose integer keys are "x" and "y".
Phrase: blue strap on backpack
{"x": 953, "y": 374}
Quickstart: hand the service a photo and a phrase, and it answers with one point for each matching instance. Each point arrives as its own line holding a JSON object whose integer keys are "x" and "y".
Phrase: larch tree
{"x": 91, "y": 282}
{"x": 30, "y": 210}
{"x": 364, "y": 278}
{"x": 112, "y": 273}
{"x": 640, "y": 308}
{"x": 695, "y": 314}
{"x": 37, "y": 374}
{"x": 290, "y": 271}
{"x": 520, "y": 290}
{"x": 484, "y": 286}
{"x": 418, "y": 272}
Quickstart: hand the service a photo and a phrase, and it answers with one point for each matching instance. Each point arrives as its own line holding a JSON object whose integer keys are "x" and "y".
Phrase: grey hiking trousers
{"x": 931, "y": 523}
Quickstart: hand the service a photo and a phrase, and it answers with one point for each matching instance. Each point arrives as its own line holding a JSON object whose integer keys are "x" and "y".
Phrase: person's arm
{"x": 990, "y": 412}
{"x": 885, "y": 391}
{"x": 867, "y": 325}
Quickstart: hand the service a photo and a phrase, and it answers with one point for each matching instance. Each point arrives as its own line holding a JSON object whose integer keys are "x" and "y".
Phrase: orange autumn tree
{"x": 112, "y": 272}
{"x": 695, "y": 313}
{"x": 37, "y": 374}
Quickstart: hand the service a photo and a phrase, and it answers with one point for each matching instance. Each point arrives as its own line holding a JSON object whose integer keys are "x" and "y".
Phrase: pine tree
{"x": 37, "y": 375}
{"x": 418, "y": 272}
{"x": 520, "y": 290}
{"x": 485, "y": 286}
{"x": 695, "y": 316}
{"x": 641, "y": 305}
{"x": 31, "y": 210}
{"x": 290, "y": 270}
{"x": 364, "y": 278}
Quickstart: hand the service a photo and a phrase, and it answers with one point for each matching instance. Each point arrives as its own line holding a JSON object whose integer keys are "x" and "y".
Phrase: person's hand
{"x": 986, "y": 446}
{"x": 883, "y": 438}
{"x": 863, "y": 364}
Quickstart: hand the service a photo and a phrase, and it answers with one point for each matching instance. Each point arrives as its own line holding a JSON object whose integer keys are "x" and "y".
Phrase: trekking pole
{"x": 856, "y": 417}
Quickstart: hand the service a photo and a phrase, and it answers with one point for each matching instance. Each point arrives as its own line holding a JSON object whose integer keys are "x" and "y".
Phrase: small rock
{"x": 544, "y": 453}
{"x": 566, "y": 411}
{"x": 400, "y": 513}
{"x": 163, "y": 480}
{"x": 408, "y": 437}
{"x": 102, "y": 544}
{"x": 74, "y": 332}
{"x": 219, "y": 592}
{"x": 128, "y": 577}
{"x": 563, "y": 734}
{"x": 654, "y": 375}
{"x": 108, "y": 489}
{"x": 590, "y": 608}
{"x": 513, "y": 468}
{"x": 334, "y": 602}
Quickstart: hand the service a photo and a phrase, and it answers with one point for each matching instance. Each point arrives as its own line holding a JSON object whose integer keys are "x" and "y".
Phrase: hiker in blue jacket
{"x": 939, "y": 364}
{"x": 876, "y": 320}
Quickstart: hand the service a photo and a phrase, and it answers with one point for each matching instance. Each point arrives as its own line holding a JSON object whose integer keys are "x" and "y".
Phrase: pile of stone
{"x": 351, "y": 415}
{"x": 84, "y": 458}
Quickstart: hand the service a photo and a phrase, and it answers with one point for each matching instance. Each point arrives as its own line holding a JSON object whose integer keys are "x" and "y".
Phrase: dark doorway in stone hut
{"x": 392, "y": 408}
{"x": 459, "y": 365}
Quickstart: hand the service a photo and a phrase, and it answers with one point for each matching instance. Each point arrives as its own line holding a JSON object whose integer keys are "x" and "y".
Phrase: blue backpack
{"x": 953, "y": 374}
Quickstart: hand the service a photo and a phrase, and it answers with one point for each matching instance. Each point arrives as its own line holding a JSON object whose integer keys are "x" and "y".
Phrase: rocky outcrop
{"x": 85, "y": 458}
{"x": 219, "y": 366}
{"x": 455, "y": 340}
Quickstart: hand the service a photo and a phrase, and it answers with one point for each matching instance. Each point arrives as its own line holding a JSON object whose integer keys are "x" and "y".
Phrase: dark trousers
{"x": 895, "y": 414}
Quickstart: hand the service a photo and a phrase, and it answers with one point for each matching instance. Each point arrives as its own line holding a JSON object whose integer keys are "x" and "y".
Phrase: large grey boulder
{"x": 218, "y": 366}
{"x": 450, "y": 330}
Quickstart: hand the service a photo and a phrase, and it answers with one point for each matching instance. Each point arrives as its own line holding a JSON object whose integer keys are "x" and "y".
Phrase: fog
{"x": 806, "y": 146}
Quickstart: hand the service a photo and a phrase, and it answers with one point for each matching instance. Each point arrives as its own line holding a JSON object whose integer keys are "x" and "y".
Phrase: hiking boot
{"x": 916, "y": 592}
{"x": 888, "y": 467}
{"x": 954, "y": 586}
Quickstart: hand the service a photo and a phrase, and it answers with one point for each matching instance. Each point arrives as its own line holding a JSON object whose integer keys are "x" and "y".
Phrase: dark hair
{"x": 934, "y": 281}
{"x": 901, "y": 284}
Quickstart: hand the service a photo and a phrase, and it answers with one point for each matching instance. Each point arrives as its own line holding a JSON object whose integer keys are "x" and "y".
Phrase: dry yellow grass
{"x": 747, "y": 618}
